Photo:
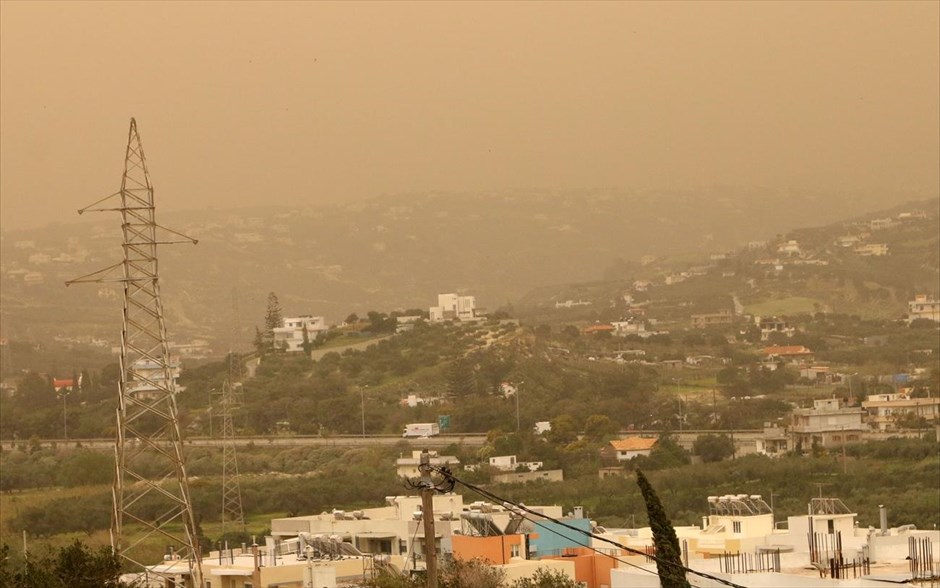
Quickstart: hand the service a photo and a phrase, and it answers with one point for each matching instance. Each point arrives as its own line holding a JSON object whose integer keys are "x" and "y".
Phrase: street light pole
{"x": 362, "y": 398}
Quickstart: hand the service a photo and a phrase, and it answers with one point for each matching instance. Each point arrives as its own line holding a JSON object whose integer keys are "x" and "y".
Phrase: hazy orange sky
{"x": 246, "y": 103}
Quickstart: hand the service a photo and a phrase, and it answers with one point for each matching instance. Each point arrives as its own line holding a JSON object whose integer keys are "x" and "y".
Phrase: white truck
{"x": 421, "y": 430}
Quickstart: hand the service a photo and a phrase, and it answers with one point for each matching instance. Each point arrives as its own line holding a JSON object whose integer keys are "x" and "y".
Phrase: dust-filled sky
{"x": 246, "y": 103}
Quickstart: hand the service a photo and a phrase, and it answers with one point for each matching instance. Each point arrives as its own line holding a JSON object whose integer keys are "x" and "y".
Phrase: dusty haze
{"x": 300, "y": 103}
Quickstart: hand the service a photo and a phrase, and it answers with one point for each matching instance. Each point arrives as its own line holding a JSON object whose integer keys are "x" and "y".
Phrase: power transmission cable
{"x": 521, "y": 507}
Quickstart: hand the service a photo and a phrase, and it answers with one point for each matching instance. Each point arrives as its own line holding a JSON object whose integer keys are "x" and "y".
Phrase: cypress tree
{"x": 668, "y": 563}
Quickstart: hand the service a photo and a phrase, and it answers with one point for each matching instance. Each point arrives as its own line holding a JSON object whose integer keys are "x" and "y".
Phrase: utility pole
{"x": 844, "y": 470}
{"x": 714, "y": 409}
{"x": 362, "y": 399}
{"x": 427, "y": 517}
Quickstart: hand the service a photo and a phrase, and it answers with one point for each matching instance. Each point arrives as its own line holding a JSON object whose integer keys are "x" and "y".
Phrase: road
{"x": 439, "y": 442}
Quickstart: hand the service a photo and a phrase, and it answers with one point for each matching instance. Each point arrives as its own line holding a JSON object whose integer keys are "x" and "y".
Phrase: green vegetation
{"x": 788, "y": 306}
{"x": 474, "y": 574}
{"x": 72, "y": 566}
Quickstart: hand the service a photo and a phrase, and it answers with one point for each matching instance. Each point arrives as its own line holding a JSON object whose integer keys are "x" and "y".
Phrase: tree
{"x": 72, "y": 566}
{"x": 273, "y": 319}
{"x": 713, "y": 448}
{"x": 470, "y": 574}
{"x": 668, "y": 562}
{"x": 667, "y": 453}
{"x": 306, "y": 345}
{"x": 461, "y": 379}
{"x": 599, "y": 426}
{"x": 352, "y": 319}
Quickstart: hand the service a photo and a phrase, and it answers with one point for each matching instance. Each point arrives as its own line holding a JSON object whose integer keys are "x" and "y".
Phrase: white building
{"x": 884, "y": 409}
{"x": 872, "y": 250}
{"x": 923, "y": 307}
{"x": 453, "y": 306}
{"x": 630, "y": 327}
{"x": 147, "y": 379}
{"x": 290, "y": 336}
{"x": 508, "y": 463}
{"x": 407, "y": 467}
{"x": 828, "y": 424}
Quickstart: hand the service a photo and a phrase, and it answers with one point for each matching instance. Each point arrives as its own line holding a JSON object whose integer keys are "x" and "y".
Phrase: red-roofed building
{"x": 68, "y": 384}
{"x": 787, "y": 352}
{"x": 594, "y": 329}
{"x": 626, "y": 449}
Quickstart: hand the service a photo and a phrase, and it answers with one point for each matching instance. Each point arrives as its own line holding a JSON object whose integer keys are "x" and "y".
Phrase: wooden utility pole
{"x": 427, "y": 516}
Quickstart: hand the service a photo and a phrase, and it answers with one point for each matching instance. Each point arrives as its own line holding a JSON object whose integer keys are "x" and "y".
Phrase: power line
{"x": 521, "y": 507}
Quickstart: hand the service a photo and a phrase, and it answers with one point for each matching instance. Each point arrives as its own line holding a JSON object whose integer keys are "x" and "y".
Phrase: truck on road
{"x": 421, "y": 430}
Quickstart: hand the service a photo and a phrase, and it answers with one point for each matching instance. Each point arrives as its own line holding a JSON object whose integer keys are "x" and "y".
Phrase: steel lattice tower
{"x": 232, "y": 513}
{"x": 151, "y": 490}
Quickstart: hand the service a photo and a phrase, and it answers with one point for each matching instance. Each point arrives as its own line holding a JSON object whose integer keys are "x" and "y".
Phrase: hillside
{"x": 397, "y": 252}
{"x": 869, "y": 266}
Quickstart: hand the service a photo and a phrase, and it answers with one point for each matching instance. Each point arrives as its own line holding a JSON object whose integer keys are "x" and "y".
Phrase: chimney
{"x": 883, "y": 517}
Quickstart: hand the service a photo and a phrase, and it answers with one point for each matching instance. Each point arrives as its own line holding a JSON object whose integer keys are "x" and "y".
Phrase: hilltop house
{"x": 290, "y": 335}
{"x": 453, "y": 306}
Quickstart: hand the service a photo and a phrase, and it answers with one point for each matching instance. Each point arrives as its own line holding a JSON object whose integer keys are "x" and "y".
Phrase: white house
{"x": 147, "y": 379}
{"x": 923, "y": 307}
{"x": 453, "y": 306}
{"x": 630, "y": 327}
{"x": 508, "y": 463}
{"x": 828, "y": 423}
{"x": 290, "y": 335}
{"x": 884, "y": 409}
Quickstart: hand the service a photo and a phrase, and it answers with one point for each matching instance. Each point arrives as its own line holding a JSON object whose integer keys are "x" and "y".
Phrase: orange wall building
{"x": 496, "y": 549}
{"x": 590, "y": 567}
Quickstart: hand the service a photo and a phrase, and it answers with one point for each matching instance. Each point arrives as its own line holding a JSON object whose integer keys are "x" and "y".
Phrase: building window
{"x": 736, "y": 526}
{"x": 832, "y": 526}
{"x": 514, "y": 551}
{"x": 837, "y": 437}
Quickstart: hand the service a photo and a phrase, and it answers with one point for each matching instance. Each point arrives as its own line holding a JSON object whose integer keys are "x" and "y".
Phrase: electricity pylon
{"x": 151, "y": 490}
{"x": 232, "y": 513}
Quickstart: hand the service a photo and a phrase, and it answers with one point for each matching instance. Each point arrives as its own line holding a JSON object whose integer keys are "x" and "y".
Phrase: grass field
{"x": 784, "y": 306}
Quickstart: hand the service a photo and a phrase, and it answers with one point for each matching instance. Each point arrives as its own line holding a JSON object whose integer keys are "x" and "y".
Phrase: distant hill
{"x": 869, "y": 265}
{"x": 397, "y": 252}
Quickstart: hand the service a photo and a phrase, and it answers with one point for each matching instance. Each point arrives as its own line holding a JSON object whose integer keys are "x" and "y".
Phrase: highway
{"x": 438, "y": 442}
